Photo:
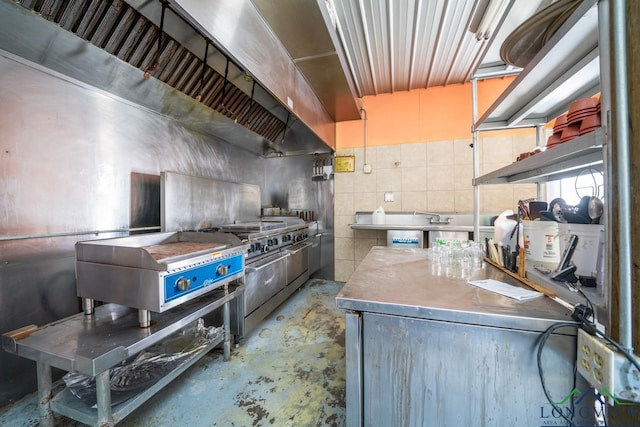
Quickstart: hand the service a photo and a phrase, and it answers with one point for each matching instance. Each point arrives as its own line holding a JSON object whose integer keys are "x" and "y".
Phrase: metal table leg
{"x": 227, "y": 330}
{"x": 44, "y": 394}
{"x": 103, "y": 397}
{"x": 353, "y": 356}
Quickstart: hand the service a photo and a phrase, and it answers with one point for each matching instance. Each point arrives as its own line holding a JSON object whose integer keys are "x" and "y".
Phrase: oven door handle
{"x": 298, "y": 249}
{"x": 250, "y": 269}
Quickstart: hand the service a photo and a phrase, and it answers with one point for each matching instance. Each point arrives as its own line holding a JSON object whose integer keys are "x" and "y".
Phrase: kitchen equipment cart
{"x": 92, "y": 344}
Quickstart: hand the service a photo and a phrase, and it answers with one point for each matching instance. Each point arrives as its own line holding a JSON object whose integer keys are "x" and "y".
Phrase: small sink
{"x": 422, "y": 220}
{"x": 435, "y": 218}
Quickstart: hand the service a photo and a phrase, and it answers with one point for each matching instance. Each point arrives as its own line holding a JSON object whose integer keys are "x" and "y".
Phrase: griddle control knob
{"x": 222, "y": 270}
{"x": 183, "y": 284}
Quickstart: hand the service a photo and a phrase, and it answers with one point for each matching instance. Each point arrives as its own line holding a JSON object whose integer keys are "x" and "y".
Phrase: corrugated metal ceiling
{"x": 399, "y": 45}
{"x": 387, "y": 46}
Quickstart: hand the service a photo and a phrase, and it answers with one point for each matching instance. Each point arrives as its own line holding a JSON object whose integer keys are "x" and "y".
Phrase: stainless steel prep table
{"x": 424, "y": 347}
{"x": 91, "y": 345}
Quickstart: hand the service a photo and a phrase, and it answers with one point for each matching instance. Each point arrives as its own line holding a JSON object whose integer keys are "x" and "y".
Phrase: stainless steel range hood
{"x": 113, "y": 46}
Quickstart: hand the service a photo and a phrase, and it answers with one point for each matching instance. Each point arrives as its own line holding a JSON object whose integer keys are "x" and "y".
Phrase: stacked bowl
{"x": 583, "y": 117}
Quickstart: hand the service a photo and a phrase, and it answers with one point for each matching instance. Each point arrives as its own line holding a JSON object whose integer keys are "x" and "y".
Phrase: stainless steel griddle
{"x": 158, "y": 271}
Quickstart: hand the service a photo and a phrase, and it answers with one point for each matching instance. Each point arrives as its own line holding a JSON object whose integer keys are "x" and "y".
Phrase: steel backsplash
{"x": 77, "y": 163}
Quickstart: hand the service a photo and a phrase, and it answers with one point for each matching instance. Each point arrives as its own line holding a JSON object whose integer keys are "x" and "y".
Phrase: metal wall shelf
{"x": 556, "y": 163}
{"x": 572, "y": 65}
{"x": 567, "y": 68}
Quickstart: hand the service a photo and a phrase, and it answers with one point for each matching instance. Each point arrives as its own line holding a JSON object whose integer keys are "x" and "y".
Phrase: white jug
{"x": 378, "y": 216}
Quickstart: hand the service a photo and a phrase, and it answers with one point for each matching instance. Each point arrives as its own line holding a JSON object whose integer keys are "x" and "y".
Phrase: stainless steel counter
{"x": 405, "y": 282}
{"x": 468, "y": 228}
{"x": 423, "y": 347}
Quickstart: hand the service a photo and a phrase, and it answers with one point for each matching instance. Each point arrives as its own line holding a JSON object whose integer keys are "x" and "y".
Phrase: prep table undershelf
{"x": 91, "y": 345}
{"x": 65, "y": 403}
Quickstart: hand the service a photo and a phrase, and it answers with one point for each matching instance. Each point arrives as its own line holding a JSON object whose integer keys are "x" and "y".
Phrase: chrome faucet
{"x": 436, "y": 218}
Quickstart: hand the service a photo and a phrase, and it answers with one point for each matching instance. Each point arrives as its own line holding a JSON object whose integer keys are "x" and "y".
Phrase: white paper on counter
{"x": 506, "y": 289}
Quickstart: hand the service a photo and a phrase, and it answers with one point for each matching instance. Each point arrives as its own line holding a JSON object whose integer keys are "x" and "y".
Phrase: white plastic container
{"x": 541, "y": 243}
{"x": 589, "y": 254}
{"x": 378, "y": 216}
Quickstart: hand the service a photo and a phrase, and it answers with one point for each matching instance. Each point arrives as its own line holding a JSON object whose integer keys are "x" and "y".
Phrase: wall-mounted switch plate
{"x": 367, "y": 168}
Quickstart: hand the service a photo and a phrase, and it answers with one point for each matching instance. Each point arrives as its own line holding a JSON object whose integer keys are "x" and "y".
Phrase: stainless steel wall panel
{"x": 327, "y": 250}
{"x": 194, "y": 202}
{"x": 289, "y": 186}
{"x": 315, "y": 255}
{"x": 145, "y": 200}
{"x": 288, "y": 183}
{"x": 33, "y": 290}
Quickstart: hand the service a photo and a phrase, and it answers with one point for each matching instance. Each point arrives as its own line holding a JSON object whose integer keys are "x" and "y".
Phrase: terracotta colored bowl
{"x": 553, "y": 140}
{"x": 590, "y": 123}
{"x": 569, "y": 133}
{"x": 589, "y": 104}
{"x": 560, "y": 124}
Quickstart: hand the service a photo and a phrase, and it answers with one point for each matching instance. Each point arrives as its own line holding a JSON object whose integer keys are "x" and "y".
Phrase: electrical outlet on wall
{"x": 606, "y": 369}
{"x": 388, "y": 197}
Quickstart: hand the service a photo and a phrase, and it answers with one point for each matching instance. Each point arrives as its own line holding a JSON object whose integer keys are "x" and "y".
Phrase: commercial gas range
{"x": 277, "y": 263}
{"x": 157, "y": 271}
{"x": 267, "y": 236}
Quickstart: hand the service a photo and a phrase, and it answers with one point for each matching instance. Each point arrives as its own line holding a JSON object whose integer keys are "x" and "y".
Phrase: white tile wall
{"x": 341, "y": 226}
{"x": 364, "y": 201}
{"x": 434, "y": 176}
{"x": 414, "y": 179}
{"x": 414, "y": 201}
{"x": 413, "y": 155}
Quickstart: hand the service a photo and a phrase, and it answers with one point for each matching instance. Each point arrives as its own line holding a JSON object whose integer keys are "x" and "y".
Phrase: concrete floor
{"x": 290, "y": 371}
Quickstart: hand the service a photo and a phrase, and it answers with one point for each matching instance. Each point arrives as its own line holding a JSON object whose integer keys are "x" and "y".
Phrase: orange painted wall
{"x": 423, "y": 115}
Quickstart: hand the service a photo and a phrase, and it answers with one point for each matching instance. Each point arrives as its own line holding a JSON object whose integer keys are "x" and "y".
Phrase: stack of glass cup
{"x": 456, "y": 259}
{"x": 457, "y": 253}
